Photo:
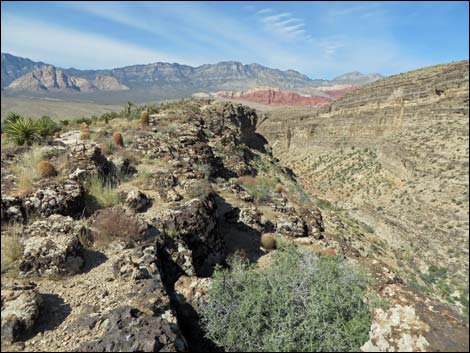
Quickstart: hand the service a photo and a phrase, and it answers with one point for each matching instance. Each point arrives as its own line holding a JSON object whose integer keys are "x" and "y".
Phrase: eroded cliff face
{"x": 392, "y": 158}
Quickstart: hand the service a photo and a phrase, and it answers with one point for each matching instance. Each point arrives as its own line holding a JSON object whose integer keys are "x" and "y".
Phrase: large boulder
{"x": 192, "y": 239}
{"x": 65, "y": 199}
{"x": 20, "y": 309}
{"x": 12, "y": 209}
{"x": 87, "y": 159}
{"x": 131, "y": 330}
{"x": 52, "y": 247}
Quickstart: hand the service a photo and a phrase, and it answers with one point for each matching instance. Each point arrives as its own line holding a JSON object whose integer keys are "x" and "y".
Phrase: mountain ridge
{"x": 174, "y": 80}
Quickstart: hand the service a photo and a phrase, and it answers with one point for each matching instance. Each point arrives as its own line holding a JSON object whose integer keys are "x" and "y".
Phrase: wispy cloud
{"x": 264, "y": 11}
{"x": 285, "y": 25}
{"x": 21, "y": 35}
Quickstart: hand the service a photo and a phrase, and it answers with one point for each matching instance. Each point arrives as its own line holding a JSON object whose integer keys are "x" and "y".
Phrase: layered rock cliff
{"x": 390, "y": 160}
{"x": 276, "y": 98}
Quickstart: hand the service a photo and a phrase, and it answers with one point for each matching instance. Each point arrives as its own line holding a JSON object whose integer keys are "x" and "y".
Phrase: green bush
{"x": 21, "y": 130}
{"x": 46, "y": 127}
{"x": 261, "y": 188}
{"x": 301, "y": 303}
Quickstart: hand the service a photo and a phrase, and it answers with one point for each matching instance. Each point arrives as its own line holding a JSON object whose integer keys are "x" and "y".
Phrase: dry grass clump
{"x": 46, "y": 169}
{"x": 12, "y": 248}
{"x": 25, "y": 170}
{"x": 268, "y": 241}
{"x": 117, "y": 139}
{"x": 101, "y": 192}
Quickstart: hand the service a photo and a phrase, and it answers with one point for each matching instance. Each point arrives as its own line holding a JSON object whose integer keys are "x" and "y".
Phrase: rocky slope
{"x": 275, "y": 98}
{"x": 48, "y": 78}
{"x": 390, "y": 160}
{"x": 132, "y": 276}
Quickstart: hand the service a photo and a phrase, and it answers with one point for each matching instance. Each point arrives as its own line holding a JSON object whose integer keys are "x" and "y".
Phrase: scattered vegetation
{"x": 301, "y": 303}
{"x": 261, "y": 188}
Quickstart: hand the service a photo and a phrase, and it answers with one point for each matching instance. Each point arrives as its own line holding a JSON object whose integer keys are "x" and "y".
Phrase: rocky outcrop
{"x": 130, "y": 330}
{"x": 192, "y": 240}
{"x": 52, "y": 247}
{"x": 20, "y": 309}
{"x": 65, "y": 199}
{"x": 108, "y": 83}
{"x": 86, "y": 159}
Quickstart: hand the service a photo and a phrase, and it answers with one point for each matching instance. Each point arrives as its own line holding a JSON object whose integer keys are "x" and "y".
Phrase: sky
{"x": 319, "y": 39}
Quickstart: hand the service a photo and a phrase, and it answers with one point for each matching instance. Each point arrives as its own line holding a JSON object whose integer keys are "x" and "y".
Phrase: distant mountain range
{"x": 158, "y": 80}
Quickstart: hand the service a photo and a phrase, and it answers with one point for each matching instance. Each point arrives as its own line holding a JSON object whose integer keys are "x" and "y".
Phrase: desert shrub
{"x": 12, "y": 248}
{"x": 83, "y": 120}
{"x": 45, "y": 169}
{"x": 117, "y": 139}
{"x": 114, "y": 223}
{"x": 300, "y": 303}
{"x": 65, "y": 122}
{"x": 261, "y": 188}
{"x": 145, "y": 118}
{"x": 101, "y": 192}
{"x": 21, "y": 130}
{"x": 200, "y": 189}
{"x": 46, "y": 126}
{"x": 268, "y": 241}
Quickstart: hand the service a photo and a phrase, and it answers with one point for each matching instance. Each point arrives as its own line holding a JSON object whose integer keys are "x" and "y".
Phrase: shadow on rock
{"x": 53, "y": 312}
{"x": 239, "y": 237}
{"x": 92, "y": 259}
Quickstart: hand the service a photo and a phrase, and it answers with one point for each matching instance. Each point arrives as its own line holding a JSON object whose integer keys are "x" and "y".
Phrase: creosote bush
{"x": 301, "y": 303}
{"x": 46, "y": 126}
{"x": 45, "y": 169}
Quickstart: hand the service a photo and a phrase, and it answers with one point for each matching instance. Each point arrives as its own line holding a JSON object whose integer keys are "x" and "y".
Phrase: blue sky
{"x": 319, "y": 39}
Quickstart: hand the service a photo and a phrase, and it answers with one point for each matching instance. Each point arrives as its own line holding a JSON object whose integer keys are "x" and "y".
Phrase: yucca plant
{"x": 21, "y": 130}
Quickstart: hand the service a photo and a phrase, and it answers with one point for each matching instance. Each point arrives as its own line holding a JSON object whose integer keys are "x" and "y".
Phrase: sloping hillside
{"x": 391, "y": 161}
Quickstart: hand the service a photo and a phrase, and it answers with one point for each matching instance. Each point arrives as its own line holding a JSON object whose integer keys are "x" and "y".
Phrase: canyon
{"x": 389, "y": 163}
